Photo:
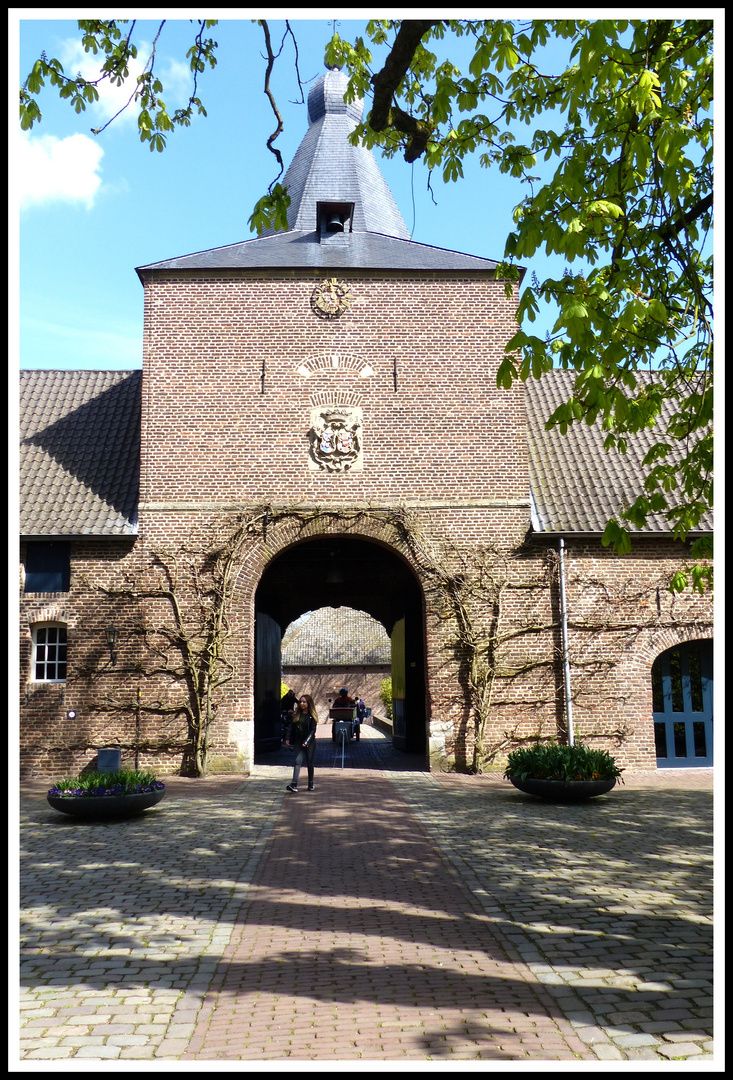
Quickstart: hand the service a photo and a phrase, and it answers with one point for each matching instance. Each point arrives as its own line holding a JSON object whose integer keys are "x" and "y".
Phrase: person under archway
{"x": 361, "y": 713}
{"x": 344, "y": 701}
{"x": 302, "y": 737}
{"x": 287, "y": 709}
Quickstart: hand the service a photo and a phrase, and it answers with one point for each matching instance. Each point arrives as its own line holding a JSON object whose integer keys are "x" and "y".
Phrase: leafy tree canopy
{"x": 616, "y": 152}
{"x": 627, "y": 126}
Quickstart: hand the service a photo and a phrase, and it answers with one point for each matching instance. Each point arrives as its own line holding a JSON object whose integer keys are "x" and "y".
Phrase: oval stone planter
{"x": 561, "y": 790}
{"x": 106, "y": 807}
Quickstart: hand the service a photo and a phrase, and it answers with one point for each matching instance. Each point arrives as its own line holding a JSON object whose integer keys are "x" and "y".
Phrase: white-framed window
{"x": 49, "y": 653}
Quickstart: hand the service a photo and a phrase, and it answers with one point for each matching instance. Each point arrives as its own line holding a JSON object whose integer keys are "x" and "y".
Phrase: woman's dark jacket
{"x": 301, "y": 729}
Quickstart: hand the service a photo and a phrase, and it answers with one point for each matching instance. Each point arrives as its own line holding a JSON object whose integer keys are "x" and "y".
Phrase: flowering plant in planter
{"x": 99, "y": 784}
{"x": 105, "y": 795}
{"x": 558, "y": 761}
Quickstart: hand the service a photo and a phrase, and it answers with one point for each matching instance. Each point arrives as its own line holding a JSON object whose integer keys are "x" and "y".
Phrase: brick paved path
{"x": 386, "y": 916}
{"x": 359, "y": 942}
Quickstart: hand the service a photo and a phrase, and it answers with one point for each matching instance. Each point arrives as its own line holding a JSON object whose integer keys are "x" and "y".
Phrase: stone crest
{"x": 335, "y": 439}
{"x": 331, "y": 298}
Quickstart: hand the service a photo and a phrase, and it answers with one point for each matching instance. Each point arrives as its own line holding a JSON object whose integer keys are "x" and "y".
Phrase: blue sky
{"x": 91, "y": 209}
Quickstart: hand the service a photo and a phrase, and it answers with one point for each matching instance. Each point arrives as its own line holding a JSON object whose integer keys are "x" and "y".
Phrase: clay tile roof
{"x": 79, "y": 452}
{"x": 333, "y": 637}
{"x": 576, "y": 484}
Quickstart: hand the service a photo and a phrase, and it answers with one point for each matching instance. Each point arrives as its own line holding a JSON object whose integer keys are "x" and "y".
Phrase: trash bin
{"x": 109, "y": 760}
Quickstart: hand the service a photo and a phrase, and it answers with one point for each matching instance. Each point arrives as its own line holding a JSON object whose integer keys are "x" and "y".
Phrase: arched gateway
{"x": 332, "y": 389}
{"x": 352, "y": 572}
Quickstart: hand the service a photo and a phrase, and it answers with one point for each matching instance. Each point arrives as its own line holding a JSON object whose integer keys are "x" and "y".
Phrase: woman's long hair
{"x": 297, "y": 713}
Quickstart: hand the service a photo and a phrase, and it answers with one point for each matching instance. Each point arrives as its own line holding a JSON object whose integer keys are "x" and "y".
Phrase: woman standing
{"x": 303, "y": 738}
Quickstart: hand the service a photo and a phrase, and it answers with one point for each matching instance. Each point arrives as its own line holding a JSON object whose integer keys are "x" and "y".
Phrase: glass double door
{"x": 682, "y": 692}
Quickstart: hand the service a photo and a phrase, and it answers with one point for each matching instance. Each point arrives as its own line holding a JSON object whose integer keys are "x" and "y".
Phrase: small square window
{"x": 47, "y": 566}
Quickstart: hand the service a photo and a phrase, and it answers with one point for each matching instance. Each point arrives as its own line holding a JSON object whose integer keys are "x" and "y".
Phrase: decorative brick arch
{"x": 336, "y": 378}
{"x": 658, "y": 641}
{"x": 636, "y": 668}
{"x": 365, "y": 524}
{"x": 50, "y": 613}
{"x": 288, "y": 533}
{"x": 289, "y": 530}
{"x": 346, "y": 364}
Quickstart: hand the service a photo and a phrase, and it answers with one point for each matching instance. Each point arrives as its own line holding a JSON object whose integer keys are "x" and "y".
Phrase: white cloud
{"x": 111, "y": 98}
{"x": 175, "y": 75}
{"x": 48, "y": 169}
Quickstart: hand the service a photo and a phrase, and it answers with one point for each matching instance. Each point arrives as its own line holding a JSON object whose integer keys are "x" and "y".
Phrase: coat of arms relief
{"x": 335, "y": 439}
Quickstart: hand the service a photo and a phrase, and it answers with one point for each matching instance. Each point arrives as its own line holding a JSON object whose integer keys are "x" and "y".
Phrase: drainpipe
{"x": 137, "y": 732}
{"x": 565, "y": 654}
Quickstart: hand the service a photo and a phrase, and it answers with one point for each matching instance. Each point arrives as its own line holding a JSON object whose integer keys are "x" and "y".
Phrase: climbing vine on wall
{"x": 181, "y": 603}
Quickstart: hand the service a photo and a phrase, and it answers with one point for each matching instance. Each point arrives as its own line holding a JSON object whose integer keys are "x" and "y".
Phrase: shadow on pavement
{"x": 614, "y": 884}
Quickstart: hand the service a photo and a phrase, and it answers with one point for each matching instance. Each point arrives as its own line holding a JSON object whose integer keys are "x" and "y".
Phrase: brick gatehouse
{"x": 324, "y": 401}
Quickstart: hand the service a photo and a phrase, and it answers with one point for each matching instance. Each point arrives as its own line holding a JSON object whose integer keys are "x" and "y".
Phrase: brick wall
{"x": 50, "y": 741}
{"x": 210, "y": 434}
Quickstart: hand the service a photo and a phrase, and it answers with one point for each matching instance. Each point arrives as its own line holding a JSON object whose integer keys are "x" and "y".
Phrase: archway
{"x": 342, "y": 571}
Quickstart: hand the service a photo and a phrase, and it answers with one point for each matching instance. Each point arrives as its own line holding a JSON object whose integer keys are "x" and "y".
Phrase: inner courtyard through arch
{"x": 336, "y": 647}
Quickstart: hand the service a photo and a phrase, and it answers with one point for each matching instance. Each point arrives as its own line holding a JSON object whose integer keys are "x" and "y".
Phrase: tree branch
{"x": 673, "y": 228}
{"x": 384, "y": 113}
{"x": 270, "y": 97}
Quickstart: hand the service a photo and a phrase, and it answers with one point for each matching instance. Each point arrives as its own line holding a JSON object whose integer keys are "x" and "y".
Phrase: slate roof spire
{"x": 327, "y": 172}
{"x": 328, "y": 169}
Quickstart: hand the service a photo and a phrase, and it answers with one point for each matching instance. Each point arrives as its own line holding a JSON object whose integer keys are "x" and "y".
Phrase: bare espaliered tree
{"x": 176, "y": 607}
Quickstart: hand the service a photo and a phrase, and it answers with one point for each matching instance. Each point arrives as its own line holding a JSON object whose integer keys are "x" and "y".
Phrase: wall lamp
{"x": 112, "y": 633}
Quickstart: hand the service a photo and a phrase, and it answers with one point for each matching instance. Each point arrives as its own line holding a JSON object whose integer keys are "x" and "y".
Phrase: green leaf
{"x": 616, "y": 537}
{"x": 271, "y": 211}
{"x": 34, "y": 82}
{"x": 658, "y": 311}
{"x": 506, "y": 374}
{"x": 29, "y": 115}
{"x": 678, "y": 582}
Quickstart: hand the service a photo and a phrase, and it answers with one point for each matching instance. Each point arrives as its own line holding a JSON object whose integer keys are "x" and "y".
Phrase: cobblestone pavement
{"x": 389, "y": 915}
